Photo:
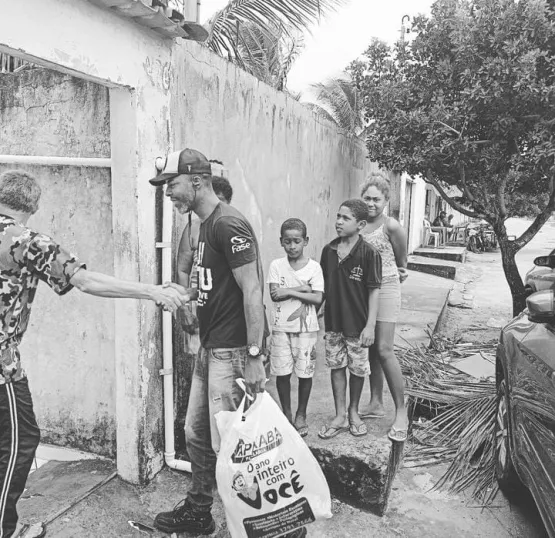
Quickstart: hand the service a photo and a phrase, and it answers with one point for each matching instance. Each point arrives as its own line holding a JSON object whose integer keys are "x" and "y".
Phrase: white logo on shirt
{"x": 356, "y": 273}
{"x": 239, "y": 243}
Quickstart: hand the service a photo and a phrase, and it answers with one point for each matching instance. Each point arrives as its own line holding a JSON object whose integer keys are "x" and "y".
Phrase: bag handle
{"x": 241, "y": 382}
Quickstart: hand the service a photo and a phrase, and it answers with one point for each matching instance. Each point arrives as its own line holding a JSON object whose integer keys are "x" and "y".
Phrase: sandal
{"x": 398, "y": 435}
{"x": 303, "y": 430}
{"x": 358, "y": 430}
{"x": 327, "y": 432}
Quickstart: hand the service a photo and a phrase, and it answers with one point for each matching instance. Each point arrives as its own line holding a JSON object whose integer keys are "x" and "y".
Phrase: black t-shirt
{"x": 226, "y": 241}
{"x": 347, "y": 283}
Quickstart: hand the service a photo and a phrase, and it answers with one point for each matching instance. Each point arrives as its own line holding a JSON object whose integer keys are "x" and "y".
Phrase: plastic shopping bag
{"x": 268, "y": 479}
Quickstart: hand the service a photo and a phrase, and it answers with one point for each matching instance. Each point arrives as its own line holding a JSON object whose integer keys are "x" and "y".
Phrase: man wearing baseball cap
{"x": 231, "y": 327}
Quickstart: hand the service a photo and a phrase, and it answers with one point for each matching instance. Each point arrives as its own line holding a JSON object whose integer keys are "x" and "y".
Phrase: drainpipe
{"x": 167, "y": 342}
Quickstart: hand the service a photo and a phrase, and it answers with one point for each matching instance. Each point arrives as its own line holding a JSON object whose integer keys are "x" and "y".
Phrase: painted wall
{"x": 282, "y": 161}
{"x": 68, "y": 351}
{"x": 166, "y": 95}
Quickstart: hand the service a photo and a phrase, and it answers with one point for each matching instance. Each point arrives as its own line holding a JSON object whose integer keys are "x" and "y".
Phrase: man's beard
{"x": 182, "y": 208}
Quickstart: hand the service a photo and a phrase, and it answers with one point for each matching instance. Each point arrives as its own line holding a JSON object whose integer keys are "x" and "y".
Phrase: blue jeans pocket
{"x": 222, "y": 354}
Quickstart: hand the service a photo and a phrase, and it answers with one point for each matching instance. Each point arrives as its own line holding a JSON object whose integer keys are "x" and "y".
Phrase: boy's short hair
{"x": 222, "y": 186}
{"x": 293, "y": 224}
{"x": 358, "y": 208}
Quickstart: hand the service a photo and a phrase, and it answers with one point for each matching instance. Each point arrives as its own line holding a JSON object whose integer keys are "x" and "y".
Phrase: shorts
{"x": 389, "y": 304}
{"x": 347, "y": 351}
{"x": 293, "y": 351}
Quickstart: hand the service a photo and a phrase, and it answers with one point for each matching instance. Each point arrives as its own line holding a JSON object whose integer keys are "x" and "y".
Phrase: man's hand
{"x": 189, "y": 322}
{"x": 170, "y": 296}
{"x": 403, "y": 274}
{"x": 279, "y": 294}
{"x": 367, "y": 336}
{"x": 255, "y": 375}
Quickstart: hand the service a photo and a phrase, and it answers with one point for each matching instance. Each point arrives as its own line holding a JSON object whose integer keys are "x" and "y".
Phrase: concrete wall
{"x": 68, "y": 351}
{"x": 164, "y": 96}
{"x": 282, "y": 161}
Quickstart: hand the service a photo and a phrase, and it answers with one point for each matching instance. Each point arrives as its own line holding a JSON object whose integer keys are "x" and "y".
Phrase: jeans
{"x": 213, "y": 389}
{"x": 19, "y": 438}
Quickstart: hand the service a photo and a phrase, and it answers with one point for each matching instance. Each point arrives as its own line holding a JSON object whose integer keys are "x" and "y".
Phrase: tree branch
{"x": 539, "y": 221}
{"x": 501, "y": 199}
{"x": 466, "y": 191}
{"x": 451, "y": 202}
{"x": 450, "y": 128}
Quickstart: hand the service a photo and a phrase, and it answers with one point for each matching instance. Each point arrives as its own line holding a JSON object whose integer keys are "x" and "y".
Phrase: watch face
{"x": 254, "y": 350}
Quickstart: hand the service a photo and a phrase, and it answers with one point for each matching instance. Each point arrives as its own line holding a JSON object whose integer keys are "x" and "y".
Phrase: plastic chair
{"x": 430, "y": 238}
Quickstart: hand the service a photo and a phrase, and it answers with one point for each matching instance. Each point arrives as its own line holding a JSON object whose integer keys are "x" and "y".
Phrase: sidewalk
{"x": 358, "y": 465}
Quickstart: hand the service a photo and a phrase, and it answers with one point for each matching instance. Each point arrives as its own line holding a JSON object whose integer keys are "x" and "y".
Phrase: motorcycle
{"x": 480, "y": 237}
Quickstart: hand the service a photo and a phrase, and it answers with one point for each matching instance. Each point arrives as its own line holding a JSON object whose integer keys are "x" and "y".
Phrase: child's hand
{"x": 367, "y": 337}
{"x": 305, "y": 288}
{"x": 403, "y": 274}
{"x": 279, "y": 294}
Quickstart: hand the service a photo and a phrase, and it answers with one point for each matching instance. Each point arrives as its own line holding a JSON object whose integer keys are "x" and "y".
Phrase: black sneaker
{"x": 186, "y": 518}
{"x": 299, "y": 533}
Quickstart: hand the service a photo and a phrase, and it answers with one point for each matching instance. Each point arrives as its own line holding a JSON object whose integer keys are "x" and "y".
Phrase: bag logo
{"x": 239, "y": 243}
{"x": 356, "y": 273}
{"x": 247, "y": 451}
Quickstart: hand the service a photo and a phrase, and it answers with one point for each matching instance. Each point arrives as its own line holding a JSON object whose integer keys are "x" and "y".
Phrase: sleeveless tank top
{"x": 379, "y": 240}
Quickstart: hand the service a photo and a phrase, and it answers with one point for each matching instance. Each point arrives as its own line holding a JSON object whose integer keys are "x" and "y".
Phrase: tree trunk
{"x": 508, "y": 252}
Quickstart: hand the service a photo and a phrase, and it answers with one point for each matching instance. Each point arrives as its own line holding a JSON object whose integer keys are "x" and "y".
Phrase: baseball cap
{"x": 187, "y": 161}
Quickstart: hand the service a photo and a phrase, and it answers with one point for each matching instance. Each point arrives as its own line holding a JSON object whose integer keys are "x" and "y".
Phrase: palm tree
{"x": 338, "y": 100}
{"x": 264, "y": 37}
{"x": 269, "y": 53}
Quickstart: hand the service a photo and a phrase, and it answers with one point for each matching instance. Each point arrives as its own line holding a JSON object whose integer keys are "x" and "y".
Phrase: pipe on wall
{"x": 93, "y": 162}
{"x": 167, "y": 345}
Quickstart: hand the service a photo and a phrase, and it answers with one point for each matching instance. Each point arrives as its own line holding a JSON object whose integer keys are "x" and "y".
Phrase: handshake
{"x": 171, "y": 296}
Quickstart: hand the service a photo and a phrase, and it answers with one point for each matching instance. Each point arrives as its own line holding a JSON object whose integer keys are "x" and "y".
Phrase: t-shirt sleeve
{"x": 273, "y": 273}
{"x": 317, "y": 279}
{"x": 373, "y": 269}
{"x": 324, "y": 262}
{"x": 236, "y": 240}
{"x": 51, "y": 263}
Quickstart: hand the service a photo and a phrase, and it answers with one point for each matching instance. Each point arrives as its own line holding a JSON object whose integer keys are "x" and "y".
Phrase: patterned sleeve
{"x": 237, "y": 241}
{"x": 273, "y": 273}
{"x": 51, "y": 263}
{"x": 317, "y": 280}
{"x": 373, "y": 269}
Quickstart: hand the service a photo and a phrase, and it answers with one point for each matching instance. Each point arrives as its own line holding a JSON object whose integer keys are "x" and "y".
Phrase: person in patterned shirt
{"x": 26, "y": 258}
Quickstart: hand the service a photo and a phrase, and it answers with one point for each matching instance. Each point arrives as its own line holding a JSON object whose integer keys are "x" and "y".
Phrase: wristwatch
{"x": 253, "y": 351}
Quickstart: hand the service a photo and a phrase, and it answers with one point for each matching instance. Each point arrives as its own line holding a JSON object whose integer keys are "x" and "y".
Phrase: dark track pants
{"x": 19, "y": 438}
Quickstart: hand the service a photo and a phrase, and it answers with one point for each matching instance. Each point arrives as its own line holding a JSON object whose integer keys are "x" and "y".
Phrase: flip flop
{"x": 371, "y": 415}
{"x": 399, "y": 436}
{"x": 303, "y": 430}
{"x": 327, "y": 432}
{"x": 359, "y": 430}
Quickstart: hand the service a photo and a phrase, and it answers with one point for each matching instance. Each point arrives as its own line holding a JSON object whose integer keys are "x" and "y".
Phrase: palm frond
{"x": 340, "y": 98}
{"x": 320, "y": 112}
{"x": 225, "y": 25}
{"x": 462, "y": 411}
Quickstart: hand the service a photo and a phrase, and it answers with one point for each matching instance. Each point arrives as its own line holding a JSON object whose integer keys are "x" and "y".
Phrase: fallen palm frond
{"x": 461, "y": 413}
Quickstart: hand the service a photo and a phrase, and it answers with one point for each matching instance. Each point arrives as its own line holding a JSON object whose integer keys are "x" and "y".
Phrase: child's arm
{"x": 367, "y": 336}
{"x": 373, "y": 271}
{"x": 313, "y": 297}
{"x": 398, "y": 238}
{"x": 281, "y": 294}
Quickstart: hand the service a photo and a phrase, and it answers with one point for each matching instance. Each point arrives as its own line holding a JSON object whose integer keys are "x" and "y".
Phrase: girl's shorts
{"x": 389, "y": 307}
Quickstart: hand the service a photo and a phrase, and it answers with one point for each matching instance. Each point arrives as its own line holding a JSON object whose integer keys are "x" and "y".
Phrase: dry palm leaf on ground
{"x": 453, "y": 416}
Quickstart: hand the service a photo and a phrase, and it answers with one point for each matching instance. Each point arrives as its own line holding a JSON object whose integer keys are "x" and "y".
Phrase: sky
{"x": 342, "y": 36}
